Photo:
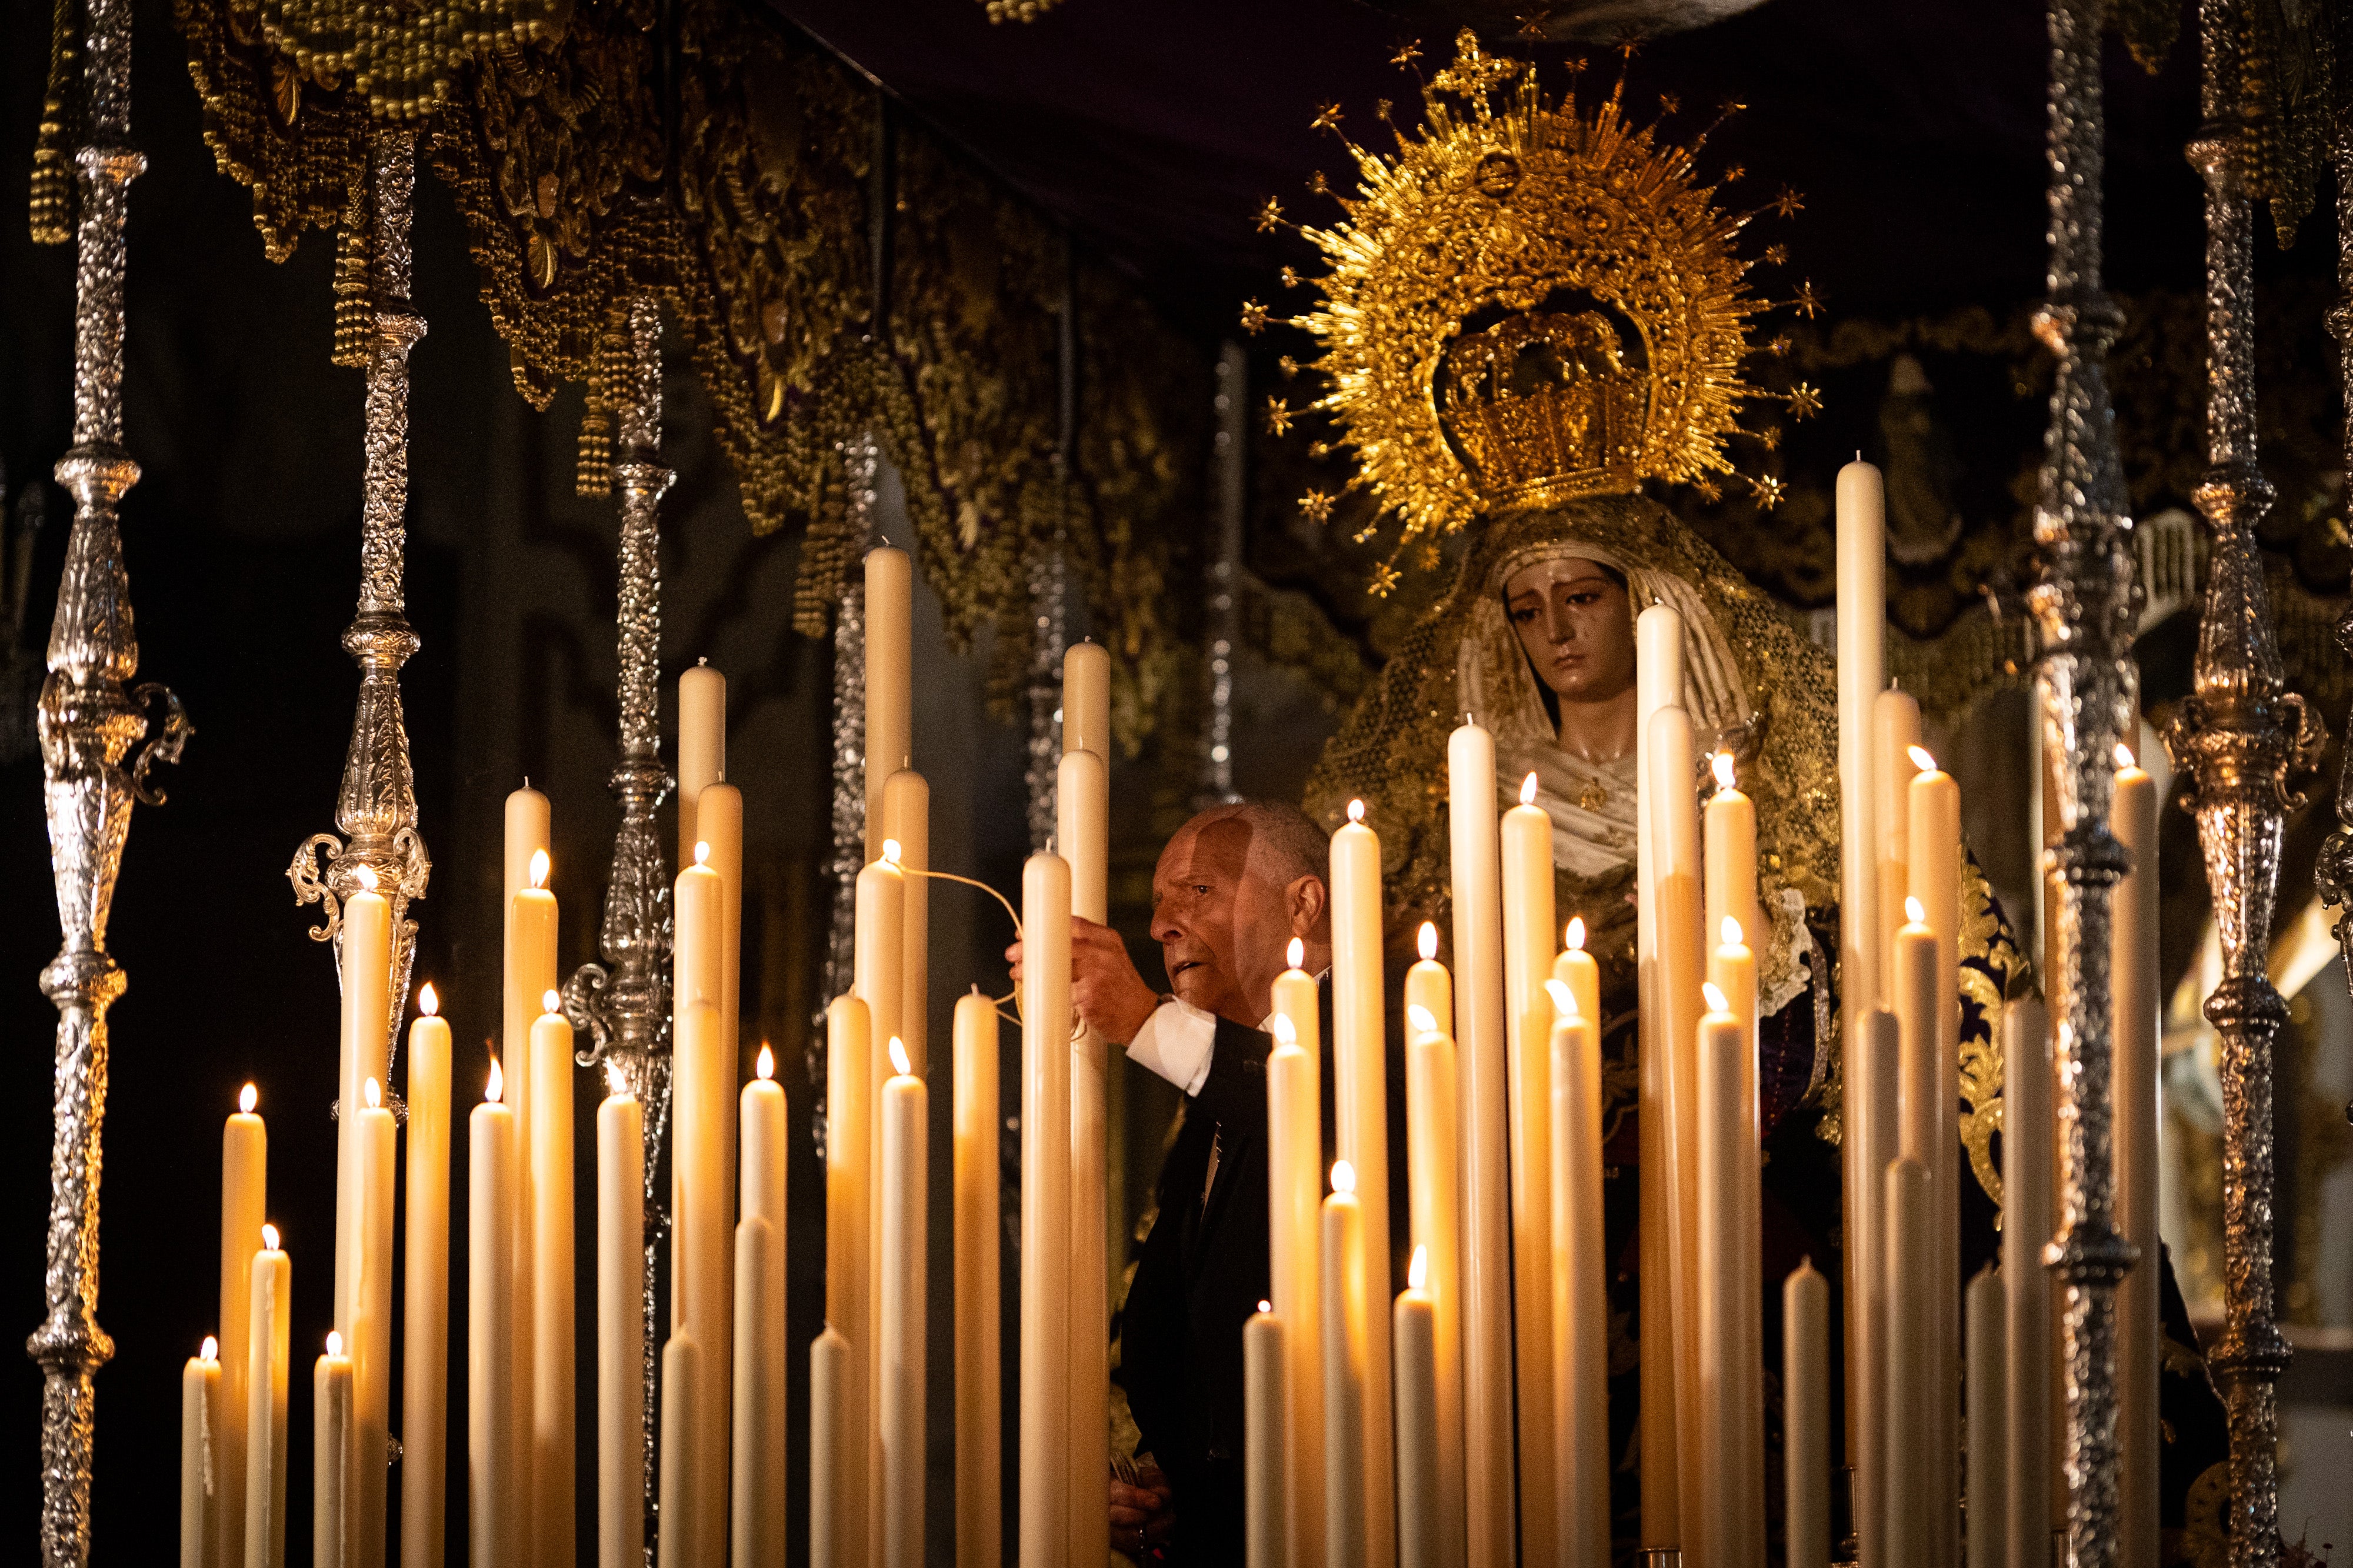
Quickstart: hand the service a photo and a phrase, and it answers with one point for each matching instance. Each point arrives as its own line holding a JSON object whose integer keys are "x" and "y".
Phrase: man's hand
{"x": 1105, "y": 990}
{"x": 1142, "y": 1515}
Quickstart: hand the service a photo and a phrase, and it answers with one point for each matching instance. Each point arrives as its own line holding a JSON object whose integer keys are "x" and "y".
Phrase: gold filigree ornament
{"x": 1529, "y": 302}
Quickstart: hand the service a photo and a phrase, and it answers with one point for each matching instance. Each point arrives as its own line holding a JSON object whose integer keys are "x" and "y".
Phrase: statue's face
{"x": 1577, "y": 627}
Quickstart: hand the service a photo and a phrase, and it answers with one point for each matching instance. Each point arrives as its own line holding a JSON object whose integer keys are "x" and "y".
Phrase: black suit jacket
{"x": 1204, "y": 1268}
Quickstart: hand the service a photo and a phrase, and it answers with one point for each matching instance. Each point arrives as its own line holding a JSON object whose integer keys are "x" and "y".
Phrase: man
{"x": 1233, "y": 889}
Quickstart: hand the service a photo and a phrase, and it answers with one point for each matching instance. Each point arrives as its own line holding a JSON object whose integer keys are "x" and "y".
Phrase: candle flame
{"x": 428, "y": 1001}
{"x": 367, "y": 875}
{"x": 1575, "y": 936}
{"x": 1417, "y": 1271}
{"x": 372, "y": 1094}
{"x": 1528, "y": 790}
{"x": 1916, "y": 911}
{"x": 702, "y": 853}
{"x": 1343, "y": 1176}
{"x": 247, "y": 1098}
{"x": 899, "y": 1056}
{"x": 2124, "y": 755}
{"x": 766, "y": 1064}
{"x": 1420, "y": 1019}
{"x": 498, "y": 1084}
{"x": 334, "y": 1343}
{"x": 1427, "y": 941}
{"x": 1733, "y": 935}
{"x": 1722, "y": 765}
{"x": 1297, "y": 953}
{"x": 539, "y": 867}
{"x": 1921, "y": 759}
{"x": 269, "y": 1238}
{"x": 211, "y": 1350}
{"x": 1716, "y": 998}
{"x": 1280, "y": 1027}
{"x": 1355, "y": 811}
{"x": 891, "y": 850}
{"x": 550, "y": 1002}
{"x": 1564, "y": 1000}
{"x": 1266, "y": 1306}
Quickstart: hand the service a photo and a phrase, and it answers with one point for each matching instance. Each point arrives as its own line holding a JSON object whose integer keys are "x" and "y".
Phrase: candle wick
{"x": 701, "y": 662}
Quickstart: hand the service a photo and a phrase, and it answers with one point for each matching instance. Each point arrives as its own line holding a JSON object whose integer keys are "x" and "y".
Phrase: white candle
{"x": 702, "y": 1252}
{"x": 1431, "y": 1119}
{"x": 1266, "y": 1509}
{"x": 905, "y": 1129}
{"x": 620, "y": 1333}
{"x": 268, "y": 1314}
{"x": 836, "y": 1508}
{"x": 1421, "y": 1514}
{"x": 1729, "y": 832}
{"x": 1935, "y": 872}
{"x": 1294, "y": 1197}
{"x": 424, "y": 1318}
{"x": 529, "y": 976}
{"x": 880, "y": 983}
{"x": 2030, "y": 1219}
{"x": 890, "y": 630}
{"x": 370, "y": 1343}
{"x": 979, "y": 1393}
{"x": 1045, "y": 1211}
{"x": 1896, "y": 729}
{"x": 1874, "y": 1139}
{"x": 1526, "y": 860}
{"x": 2133, "y": 973}
{"x": 907, "y": 818}
{"x": 1086, "y": 700}
{"x": 1913, "y": 1500}
{"x": 1861, "y": 656}
{"x": 684, "y": 1532}
{"x": 1658, "y": 684}
{"x": 330, "y": 1458}
{"x": 200, "y": 1397}
{"x": 1082, "y": 819}
{"x": 1988, "y": 1472}
{"x": 244, "y": 1189}
{"x": 1345, "y": 1505}
{"x": 719, "y": 823}
{"x": 757, "y": 1498}
{"x": 1806, "y": 1415}
{"x": 1580, "y": 1269}
{"x": 366, "y": 1021}
{"x": 494, "y": 1501}
{"x": 702, "y": 746}
{"x": 555, "y": 1367}
{"x": 1361, "y": 1133}
{"x": 1478, "y": 1035}
{"x": 1732, "y": 1444}
{"x": 849, "y": 1274}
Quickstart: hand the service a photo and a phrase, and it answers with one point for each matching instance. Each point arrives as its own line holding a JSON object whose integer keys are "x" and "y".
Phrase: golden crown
{"x": 1525, "y": 303}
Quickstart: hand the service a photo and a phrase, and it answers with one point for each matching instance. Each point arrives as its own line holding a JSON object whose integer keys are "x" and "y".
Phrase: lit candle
{"x": 1427, "y": 984}
{"x": 425, "y": 1343}
{"x": 703, "y": 1251}
{"x": 1575, "y": 968}
{"x": 1421, "y": 1514}
{"x": 366, "y": 1021}
{"x": 719, "y": 819}
{"x": 1731, "y": 1441}
{"x": 1431, "y": 1118}
{"x": 1266, "y": 1509}
{"x": 331, "y": 1457}
{"x": 1361, "y": 1133}
{"x": 1294, "y": 1160}
{"x": 890, "y": 657}
{"x": 2133, "y": 973}
{"x": 1580, "y": 1265}
{"x": 1935, "y": 828}
{"x": 620, "y": 1333}
{"x": 1479, "y": 1033}
{"x": 907, "y": 818}
{"x": 849, "y": 1273}
{"x": 1678, "y": 972}
{"x": 880, "y": 981}
{"x": 530, "y": 975}
{"x": 683, "y": 1531}
{"x": 1988, "y": 1472}
{"x": 1732, "y": 969}
{"x": 702, "y": 746}
{"x": 1911, "y": 1499}
{"x": 200, "y": 1394}
{"x": 757, "y": 1497}
{"x": 1874, "y": 1140}
{"x": 1861, "y": 656}
{"x": 1729, "y": 832}
{"x": 979, "y": 1394}
{"x": 1345, "y": 1451}
{"x": 1083, "y": 832}
{"x": 494, "y": 1499}
{"x": 1896, "y": 729}
{"x": 268, "y": 1312}
{"x": 1806, "y": 1415}
{"x": 1045, "y": 1210}
{"x": 2029, "y": 1220}
{"x": 1527, "y": 859}
{"x": 370, "y": 1343}
{"x": 1658, "y": 684}
{"x": 837, "y": 1507}
{"x": 555, "y": 1367}
{"x": 905, "y": 1129}
{"x": 1926, "y": 1109}
{"x": 245, "y": 1188}
{"x": 719, "y": 823}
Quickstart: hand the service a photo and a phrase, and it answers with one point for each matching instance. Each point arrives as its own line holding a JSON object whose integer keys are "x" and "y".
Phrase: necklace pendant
{"x": 1594, "y": 797}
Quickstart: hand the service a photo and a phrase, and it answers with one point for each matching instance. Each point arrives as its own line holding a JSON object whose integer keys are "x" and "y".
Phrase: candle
{"x": 2133, "y": 970}
{"x": 1431, "y": 1118}
{"x": 1575, "y": 968}
{"x": 979, "y": 1397}
{"x": 1732, "y": 969}
{"x": 1806, "y": 1415}
{"x": 904, "y": 1289}
{"x": 1045, "y": 1210}
{"x": 702, "y": 746}
{"x": 1478, "y": 1032}
{"x": 719, "y": 823}
{"x": 268, "y": 1312}
{"x": 1345, "y": 1504}
{"x": 1911, "y": 1499}
{"x": 529, "y": 976}
{"x": 1266, "y": 1509}
{"x": 330, "y": 1458}
{"x": 719, "y": 819}
{"x": 244, "y": 1189}
{"x": 365, "y": 1019}
{"x": 1896, "y": 729}
{"x": 1988, "y": 1472}
{"x": 2030, "y": 1219}
{"x": 493, "y": 1495}
{"x": 1421, "y": 1512}
{"x": 1294, "y": 1158}
{"x": 1729, "y": 833}
{"x": 890, "y": 630}
{"x": 1874, "y": 1139}
{"x": 425, "y": 1343}
{"x": 370, "y": 1343}
{"x": 620, "y": 1333}
{"x": 1361, "y": 1131}
{"x": 907, "y": 817}
{"x": 555, "y": 1367}
{"x": 1427, "y": 984}
{"x": 1580, "y": 1267}
{"x": 1925, "y": 1112}
{"x": 1082, "y": 829}
{"x": 1935, "y": 828}
{"x": 1731, "y": 1386}
{"x": 200, "y": 1394}
{"x": 880, "y": 953}
{"x": 848, "y": 1269}
{"x": 761, "y": 1347}
{"x": 1658, "y": 684}
{"x": 837, "y": 1511}
{"x": 1861, "y": 663}
{"x": 702, "y": 1252}
{"x": 682, "y": 1532}
{"x": 1086, "y": 700}
{"x": 1526, "y": 861}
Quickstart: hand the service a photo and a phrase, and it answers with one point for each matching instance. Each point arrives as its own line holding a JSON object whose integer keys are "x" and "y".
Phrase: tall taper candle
{"x": 702, "y": 746}
{"x": 367, "y": 1500}
{"x": 1432, "y": 1167}
{"x": 494, "y": 1503}
{"x": 1294, "y": 1163}
{"x": 620, "y": 1333}
{"x": 1528, "y": 930}
{"x": 1728, "y": 833}
{"x": 1896, "y": 729}
{"x": 1361, "y": 1134}
{"x": 1579, "y": 1265}
{"x": 200, "y": 1493}
{"x": 424, "y": 1317}
{"x": 1914, "y": 1501}
{"x": 1732, "y": 1446}
{"x": 555, "y": 1367}
{"x": 1658, "y": 684}
{"x": 1422, "y": 1515}
{"x": 366, "y": 968}
{"x": 1266, "y": 1510}
{"x": 1936, "y": 880}
{"x": 1874, "y": 1140}
{"x": 1342, "y": 1259}
{"x": 330, "y": 1458}
{"x": 1806, "y": 1415}
{"x": 1082, "y": 829}
{"x": 1479, "y": 1036}
{"x": 529, "y": 976}
{"x": 850, "y": 1196}
{"x": 1862, "y": 665}
{"x": 906, "y": 1121}
{"x": 684, "y": 1535}
{"x": 1045, "y": 1211}
{"x": 2134, "y": 974}
{"x": 907, "y": 814}
{"x": 757, "y": 1502}
{"x": 1086, "y": 700}
{"x": 269, "y": 1313}
{"x": 719, "y": 822}
{"x": 836, "y": 1509}
{"x": 890, "y": 629}
{"x": 880, "y": 954}
{"x": 1989, "y": 1469}
{"x": 245, "y": 1188}
{"x": 2029, "y": 1220}
{"x": 703, "y": 1254}
{"x": 979, "y": 1393}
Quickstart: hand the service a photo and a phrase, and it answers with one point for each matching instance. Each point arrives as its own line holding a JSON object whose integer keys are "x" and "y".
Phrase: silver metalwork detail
{"x": 2246, "y": 744}
{"x": 1226, "y": 481}
{"x": 861, "y": 459}
{"x": 1049, "y": 603}
{"x": 2087, "y": 692}
{"x": 87, "y": 725}
{"x": 375, "y": 809}
{"x": 2333, "y": 876}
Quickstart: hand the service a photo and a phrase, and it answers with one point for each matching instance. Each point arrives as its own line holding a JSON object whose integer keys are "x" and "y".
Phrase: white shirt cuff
{"x": 1175, "y": 1043}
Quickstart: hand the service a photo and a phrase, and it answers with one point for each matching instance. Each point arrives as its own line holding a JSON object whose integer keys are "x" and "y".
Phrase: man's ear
{"x": 1306, "y": 900}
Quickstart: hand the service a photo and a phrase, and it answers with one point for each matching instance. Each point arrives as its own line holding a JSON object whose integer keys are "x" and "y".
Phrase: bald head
{"x": 1233, "y": 888}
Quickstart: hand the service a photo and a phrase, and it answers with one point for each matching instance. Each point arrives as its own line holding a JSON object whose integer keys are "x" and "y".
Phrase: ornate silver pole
{"x": 1229, "y": 496}
{"x": 2247, "y": 745}
{"x": 862, "y": 462}
{"x": 376, "y": 806}
{"x": 2334, "y": 874}
{"x": 2084, "y": 684}
{"x": 623, "y": 1004}
{"x": 88, "y": 724}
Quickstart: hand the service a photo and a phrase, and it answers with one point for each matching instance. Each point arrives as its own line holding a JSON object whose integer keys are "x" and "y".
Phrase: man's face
{"x": 1221, "y": 921}
{"x": 1573, "y": 623}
